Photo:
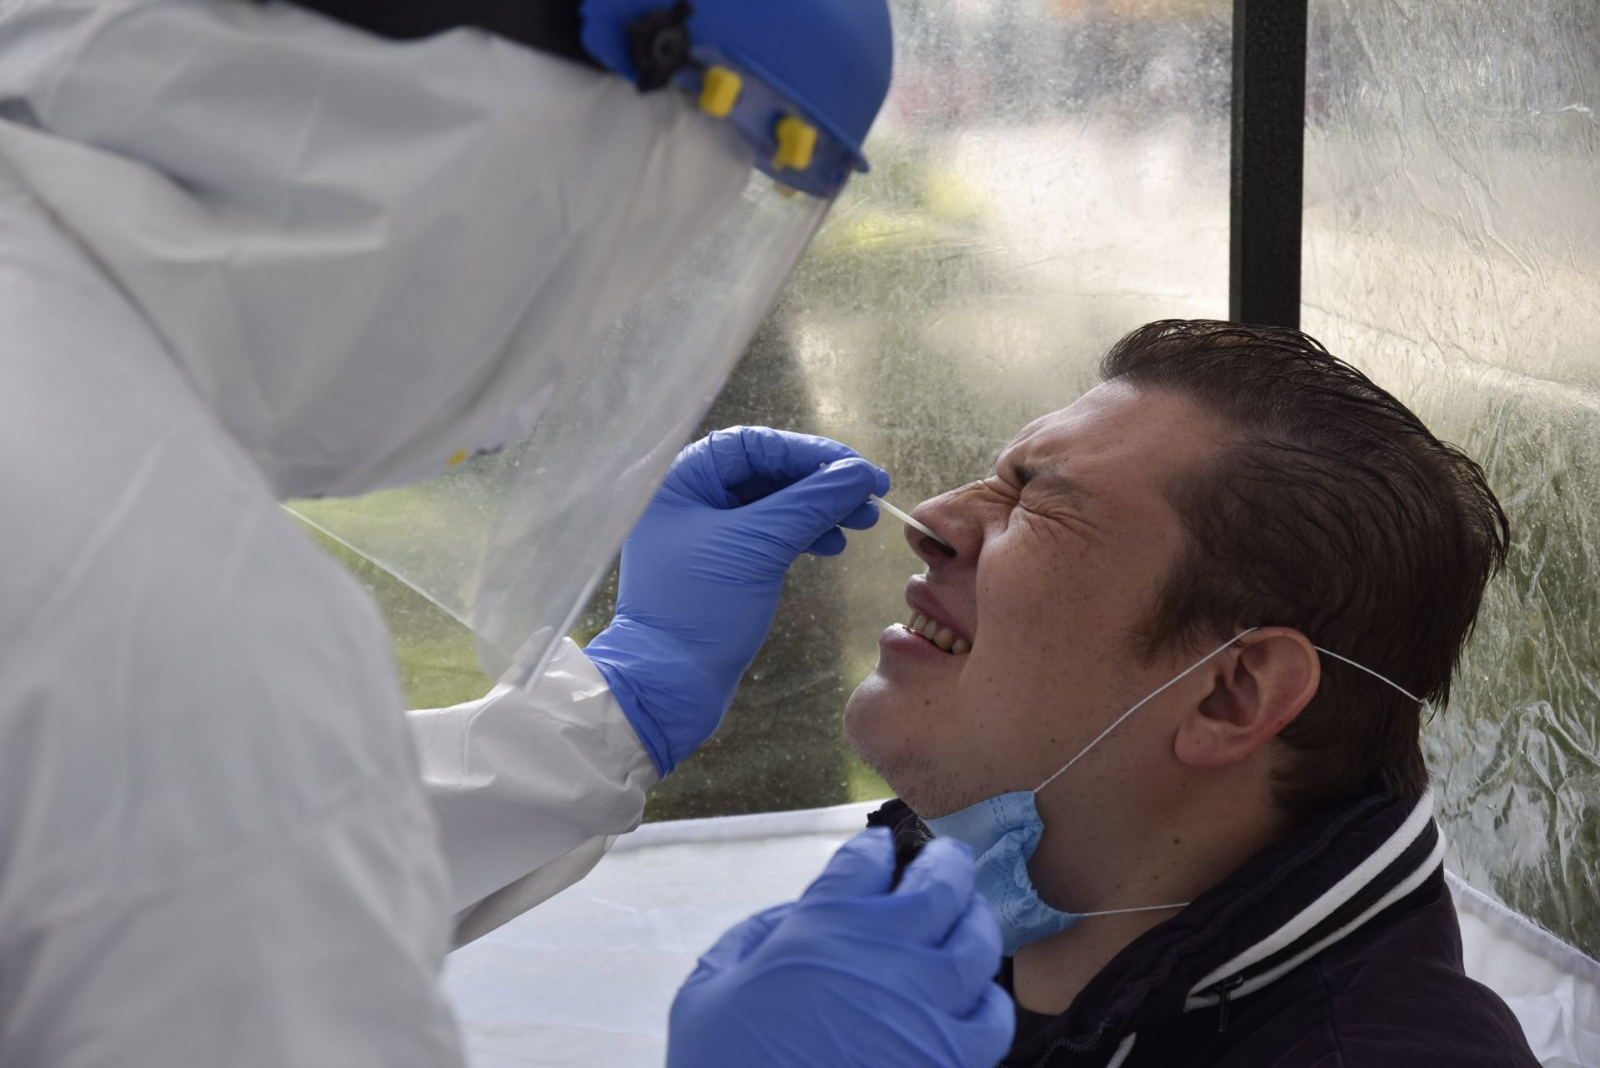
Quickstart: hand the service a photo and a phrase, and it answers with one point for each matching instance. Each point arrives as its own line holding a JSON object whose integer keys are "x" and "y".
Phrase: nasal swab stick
{"x": 908, "y": 521}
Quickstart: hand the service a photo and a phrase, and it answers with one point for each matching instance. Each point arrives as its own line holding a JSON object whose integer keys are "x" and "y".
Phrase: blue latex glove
{"x": 854, "y": 973}
{"x": 703, "y": 568}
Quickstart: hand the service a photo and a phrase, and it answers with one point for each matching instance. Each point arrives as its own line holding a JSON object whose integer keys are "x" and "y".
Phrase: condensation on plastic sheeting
{"x": 1452, "y": 248}
{"x": 1046, "y": 176}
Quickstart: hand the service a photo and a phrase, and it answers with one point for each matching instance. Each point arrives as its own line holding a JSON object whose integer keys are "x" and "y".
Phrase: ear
{"x": 1256, "y": 692}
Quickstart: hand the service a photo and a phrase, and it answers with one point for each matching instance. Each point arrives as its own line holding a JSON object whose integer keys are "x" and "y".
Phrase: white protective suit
{"x": 245, "y": 254}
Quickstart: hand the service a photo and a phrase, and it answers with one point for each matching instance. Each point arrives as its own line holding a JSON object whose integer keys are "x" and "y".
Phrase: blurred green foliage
{"x": 434, "y": 653}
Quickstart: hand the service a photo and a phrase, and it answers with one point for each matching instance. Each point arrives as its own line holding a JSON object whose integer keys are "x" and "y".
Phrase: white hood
{"x": 370, "y": 258}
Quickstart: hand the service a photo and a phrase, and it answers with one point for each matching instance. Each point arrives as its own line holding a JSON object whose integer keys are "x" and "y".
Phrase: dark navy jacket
{"x": 1336, "y": 947}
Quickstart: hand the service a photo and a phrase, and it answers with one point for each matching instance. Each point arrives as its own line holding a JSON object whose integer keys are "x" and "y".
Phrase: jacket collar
{"x": 1316, "y": 886}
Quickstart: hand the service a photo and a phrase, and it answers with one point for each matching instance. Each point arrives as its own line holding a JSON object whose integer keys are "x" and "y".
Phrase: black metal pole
{"x": 1269, "y": 106}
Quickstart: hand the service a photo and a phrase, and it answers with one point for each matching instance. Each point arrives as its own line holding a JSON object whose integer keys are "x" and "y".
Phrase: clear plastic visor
{"x": 513, "y": 544}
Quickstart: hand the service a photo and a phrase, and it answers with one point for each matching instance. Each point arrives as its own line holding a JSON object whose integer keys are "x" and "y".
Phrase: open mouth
{"x": 938, "y": 634}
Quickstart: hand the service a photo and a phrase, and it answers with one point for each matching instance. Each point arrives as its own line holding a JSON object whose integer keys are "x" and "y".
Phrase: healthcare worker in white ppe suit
{"x": 259, "y": 251}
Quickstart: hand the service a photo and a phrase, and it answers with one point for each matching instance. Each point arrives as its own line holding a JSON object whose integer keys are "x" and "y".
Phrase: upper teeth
{"x": 943, "y": 637}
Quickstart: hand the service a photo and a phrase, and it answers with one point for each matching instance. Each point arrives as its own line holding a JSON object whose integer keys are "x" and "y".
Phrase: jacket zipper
{"x": 1223, "y": 990}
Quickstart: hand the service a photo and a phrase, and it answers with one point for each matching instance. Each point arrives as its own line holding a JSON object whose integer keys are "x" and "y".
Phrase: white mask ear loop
{"x": 1381, "y": 678}
{"x": 1153, "y": 694}
{"x": 1114, "y": 725}
{"x": 1118, "y": 722}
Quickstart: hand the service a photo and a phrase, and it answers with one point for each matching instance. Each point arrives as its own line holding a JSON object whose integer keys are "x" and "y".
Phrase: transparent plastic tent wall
{"x": 1052, "y": 173}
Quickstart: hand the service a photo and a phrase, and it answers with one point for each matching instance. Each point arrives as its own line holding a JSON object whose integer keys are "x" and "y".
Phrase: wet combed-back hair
{"x": 1333, "y": 511}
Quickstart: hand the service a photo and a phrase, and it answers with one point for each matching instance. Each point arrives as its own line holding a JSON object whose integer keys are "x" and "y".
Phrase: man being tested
{"x": 1167, "y": 682}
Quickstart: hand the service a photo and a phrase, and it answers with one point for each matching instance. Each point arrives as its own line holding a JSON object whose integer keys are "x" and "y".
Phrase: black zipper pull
{"x": 1223, "y": 989}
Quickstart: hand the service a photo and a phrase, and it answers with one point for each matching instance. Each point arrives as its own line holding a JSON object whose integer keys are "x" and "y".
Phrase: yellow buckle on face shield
{"x": 719, "y": 91}
{"x": 797, "y": 143}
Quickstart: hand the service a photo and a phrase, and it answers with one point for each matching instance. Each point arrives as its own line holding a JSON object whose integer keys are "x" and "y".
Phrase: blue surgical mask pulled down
{"x": 1004, "y": 831}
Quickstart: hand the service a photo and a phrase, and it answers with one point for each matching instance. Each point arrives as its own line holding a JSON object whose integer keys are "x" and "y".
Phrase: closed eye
{"x": 1051, "y": 482}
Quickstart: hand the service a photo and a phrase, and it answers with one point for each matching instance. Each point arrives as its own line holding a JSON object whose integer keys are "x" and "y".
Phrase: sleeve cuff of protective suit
{"x": 650, "y": 736}
{"x": 528, "y": 773}
{"x": 572, "y": 677}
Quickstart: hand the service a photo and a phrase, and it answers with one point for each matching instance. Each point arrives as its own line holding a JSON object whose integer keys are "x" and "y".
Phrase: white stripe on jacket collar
{"x": 1334, "y": 898}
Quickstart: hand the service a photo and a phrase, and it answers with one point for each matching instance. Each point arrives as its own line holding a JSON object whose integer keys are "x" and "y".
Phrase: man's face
{"x": 1058, "y": 559}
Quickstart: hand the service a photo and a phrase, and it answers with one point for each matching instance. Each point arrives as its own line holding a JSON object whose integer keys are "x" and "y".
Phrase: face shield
{"x": 463, "y": 262}
{"x": 511, "y": 543}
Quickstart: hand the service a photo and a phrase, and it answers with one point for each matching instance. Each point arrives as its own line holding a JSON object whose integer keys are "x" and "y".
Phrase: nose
{"x": 941, "y": 515}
